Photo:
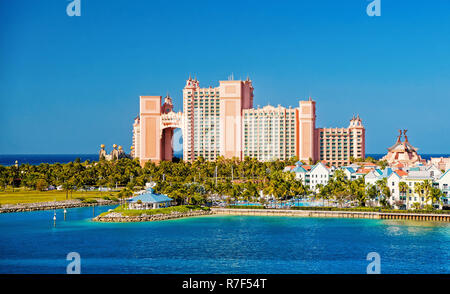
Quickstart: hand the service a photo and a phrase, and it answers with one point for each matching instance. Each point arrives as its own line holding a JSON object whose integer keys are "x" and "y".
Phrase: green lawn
{"x": 167, "y": 210}
{"x": 25, "y": 196}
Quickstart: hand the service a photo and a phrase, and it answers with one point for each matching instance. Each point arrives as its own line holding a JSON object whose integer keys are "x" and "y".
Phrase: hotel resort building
{"x": 221, "y": 121}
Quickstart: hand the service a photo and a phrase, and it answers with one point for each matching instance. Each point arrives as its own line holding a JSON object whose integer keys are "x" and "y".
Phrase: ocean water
{"x": 36, "y": 159}
{"x": 29, "y": 243}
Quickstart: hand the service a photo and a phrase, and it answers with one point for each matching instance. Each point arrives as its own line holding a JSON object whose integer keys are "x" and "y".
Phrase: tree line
{"x": 200, "y": 181}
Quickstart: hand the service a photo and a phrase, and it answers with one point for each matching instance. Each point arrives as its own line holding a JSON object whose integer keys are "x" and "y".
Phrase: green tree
{"x": 41, "y": 185}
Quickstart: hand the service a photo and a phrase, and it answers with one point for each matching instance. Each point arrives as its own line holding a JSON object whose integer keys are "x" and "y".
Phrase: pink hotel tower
{"x": 221, "y": 121}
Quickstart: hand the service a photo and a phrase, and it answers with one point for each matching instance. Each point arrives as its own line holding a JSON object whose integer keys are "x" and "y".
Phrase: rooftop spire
{"x": 399, "y": 138}
{"x": 406, "y": 137}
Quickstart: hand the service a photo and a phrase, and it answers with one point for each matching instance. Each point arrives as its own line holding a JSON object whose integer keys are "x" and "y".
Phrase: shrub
{"x": 166, "y": 210}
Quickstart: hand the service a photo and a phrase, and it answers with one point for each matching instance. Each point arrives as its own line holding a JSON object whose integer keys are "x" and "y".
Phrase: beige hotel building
{"x": 221, "y": 121}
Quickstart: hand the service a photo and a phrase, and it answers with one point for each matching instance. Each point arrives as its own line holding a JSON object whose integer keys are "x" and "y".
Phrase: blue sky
{"x": 68, "y": 84}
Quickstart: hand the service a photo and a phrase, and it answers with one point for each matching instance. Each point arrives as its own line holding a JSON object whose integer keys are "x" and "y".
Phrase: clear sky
{"x": 68, "y": 84}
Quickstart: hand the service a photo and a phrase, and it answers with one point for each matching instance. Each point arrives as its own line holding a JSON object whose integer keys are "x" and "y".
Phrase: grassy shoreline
{"x": 21, "y": 196}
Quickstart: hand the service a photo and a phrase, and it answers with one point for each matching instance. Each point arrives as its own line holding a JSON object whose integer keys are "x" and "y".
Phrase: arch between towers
{"x": 157, "y": 125}
{"x": 170, "y": 143}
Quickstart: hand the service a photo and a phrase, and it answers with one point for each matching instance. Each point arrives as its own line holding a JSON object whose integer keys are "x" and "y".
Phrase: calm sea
{"x": 35, "y": 159}
{"x": 220, "y": 244}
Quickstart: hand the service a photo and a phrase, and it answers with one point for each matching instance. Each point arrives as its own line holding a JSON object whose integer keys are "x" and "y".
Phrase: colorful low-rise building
{"x": 402, "y": 152}
{"x": 319, "y": 175}
{"x": 150, "y": 200}
{"x": 444, "y": 186}
{"x": 442, "y": 163}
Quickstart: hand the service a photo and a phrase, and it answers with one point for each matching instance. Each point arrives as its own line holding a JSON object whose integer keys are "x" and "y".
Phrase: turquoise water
{"x": 219, "y": 244}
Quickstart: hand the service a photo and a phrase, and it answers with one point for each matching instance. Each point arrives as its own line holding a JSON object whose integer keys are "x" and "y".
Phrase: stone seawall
{"x": 302, "y": 213}
{"x": 53, "y": 205}
{"x": 339, "y": 214}
{"x": 118, "y": 218}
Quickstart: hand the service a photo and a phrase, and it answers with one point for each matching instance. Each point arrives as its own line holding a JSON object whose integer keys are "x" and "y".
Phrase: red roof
{"x": 367, "y": 164}
{"x": 364, "y": 170}
{"x": 307, "y": 167}
{"x": 324, "y": 162}
{"x": 401, "y": 173}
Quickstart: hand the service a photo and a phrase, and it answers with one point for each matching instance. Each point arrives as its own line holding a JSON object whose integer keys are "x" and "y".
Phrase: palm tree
{"x": 384, "y": 191}
{"x": 424, "y": 190}
{"x": 323, "y": 193}
{"x": 123, "y": 194}
{"x": 435, "y": 196}
{"x": 403, "y": 187}
{"x": 359, "y": 189}
{"x": 66, "y": 187}
{"x": 371, "y": 191}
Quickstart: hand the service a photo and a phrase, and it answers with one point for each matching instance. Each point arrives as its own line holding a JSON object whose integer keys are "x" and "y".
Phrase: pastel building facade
{"x": 213, "y": 118}
{"x": 135, "y": 148}
{"x": 444, "y": 186}
{"x": 270, "y": 133}
{"x": 319, "y": 174}
{"x": 411, "y": 176}
{"x": 443, "y": 163}
{"x": 311, "y": 175}
{"x": 411, "y": 195}
{"x": 221, "y": 121}
{"x": 403, "y": 153}
{"x": 153, "y": 130}
{"x": 338, "y": 145}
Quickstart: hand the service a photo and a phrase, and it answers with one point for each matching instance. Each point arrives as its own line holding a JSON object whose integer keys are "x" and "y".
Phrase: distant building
{"x": 338, "y": 145}
{"x": 116, "y": 153}
{"x": 135, "y": 148}
{"x": 403, "y": 153}
{"x": 221, "y": 121}
{"x": 311, "y": 175}
{"x": 411, "y": 177}
{"x": 150, "y": 200}
{"x": 270, "y": 133}
{"x": 375, "y": 175}
{"x": 444, "y": 186}
{"x": 319, "y": 174}
{"x": 443, "y": 163}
